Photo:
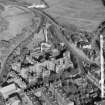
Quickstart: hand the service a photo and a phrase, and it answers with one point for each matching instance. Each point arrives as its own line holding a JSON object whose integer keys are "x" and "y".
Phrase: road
{"x": 94, "y": 80}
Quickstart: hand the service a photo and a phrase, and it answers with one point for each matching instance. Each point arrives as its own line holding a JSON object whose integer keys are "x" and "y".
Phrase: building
{"x": 60, "y": 95}
{"x": 8, "y": 90}
{"x": 17, "y": 102}
{"x": 14, "y": 99}
{"x": 2, "y": 101}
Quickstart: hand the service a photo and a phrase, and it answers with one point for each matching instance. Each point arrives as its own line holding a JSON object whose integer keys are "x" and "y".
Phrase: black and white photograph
{"x": 52, "y": 52}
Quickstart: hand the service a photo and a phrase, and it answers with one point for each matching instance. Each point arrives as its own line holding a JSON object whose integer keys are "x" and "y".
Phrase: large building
{"x": 8, "y": 90}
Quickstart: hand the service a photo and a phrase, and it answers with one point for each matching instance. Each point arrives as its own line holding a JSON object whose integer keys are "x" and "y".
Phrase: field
{"x": 86, "y": 14}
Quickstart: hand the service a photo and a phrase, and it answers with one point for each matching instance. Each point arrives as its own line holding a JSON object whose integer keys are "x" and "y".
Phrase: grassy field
{"x": 86, "y": 14}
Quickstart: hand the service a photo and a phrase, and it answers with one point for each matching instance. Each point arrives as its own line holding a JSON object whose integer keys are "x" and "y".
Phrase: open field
{"x": 86, "y": 14}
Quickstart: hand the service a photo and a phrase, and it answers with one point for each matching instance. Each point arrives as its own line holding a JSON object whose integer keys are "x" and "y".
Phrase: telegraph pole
{"x": 102, "y": 66}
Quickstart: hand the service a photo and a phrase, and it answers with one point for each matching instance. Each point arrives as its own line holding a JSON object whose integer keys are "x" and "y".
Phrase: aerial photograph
{"x": 52, "y": 52}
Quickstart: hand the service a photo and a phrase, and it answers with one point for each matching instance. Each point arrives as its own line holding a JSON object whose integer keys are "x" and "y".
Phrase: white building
{"x": 7, "y": 90}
